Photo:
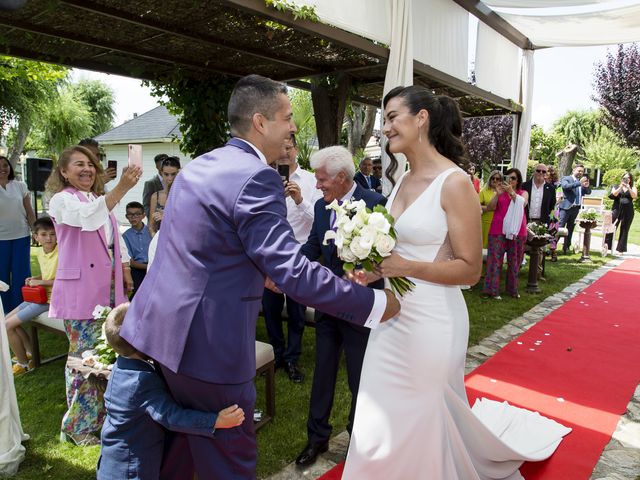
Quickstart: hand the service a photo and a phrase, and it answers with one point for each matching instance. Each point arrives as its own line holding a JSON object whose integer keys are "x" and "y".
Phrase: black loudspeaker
{"x": 38, "y": 170}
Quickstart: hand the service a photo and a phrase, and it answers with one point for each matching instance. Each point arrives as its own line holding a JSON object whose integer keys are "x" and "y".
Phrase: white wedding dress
{"x": 412, "y": 418}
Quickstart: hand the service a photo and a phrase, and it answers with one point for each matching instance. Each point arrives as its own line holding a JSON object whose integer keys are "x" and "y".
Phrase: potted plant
{"x": 588, "y": 219}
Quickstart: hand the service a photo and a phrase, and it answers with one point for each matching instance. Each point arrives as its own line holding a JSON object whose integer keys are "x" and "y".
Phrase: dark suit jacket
{"x": 548, "y": 200}
{"x": 138, "y": 406}
{"x": 314, "y": 248}
{"x": 151, "y": 186}
{"x": 361, "y": 180}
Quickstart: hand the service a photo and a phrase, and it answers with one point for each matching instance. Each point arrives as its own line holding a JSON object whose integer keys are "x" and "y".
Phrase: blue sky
{"x": 563, "y": 81}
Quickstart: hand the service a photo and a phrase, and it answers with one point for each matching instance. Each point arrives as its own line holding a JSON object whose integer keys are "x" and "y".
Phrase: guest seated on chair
{"x": 138, "y": 406}
{"x": 19, "y": 340}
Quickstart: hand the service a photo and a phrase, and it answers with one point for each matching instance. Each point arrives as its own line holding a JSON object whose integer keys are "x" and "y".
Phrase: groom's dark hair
{"x": 253, "y": 94}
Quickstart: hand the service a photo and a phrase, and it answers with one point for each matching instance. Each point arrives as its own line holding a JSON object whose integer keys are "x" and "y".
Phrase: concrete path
{"x": 620, "y": 459}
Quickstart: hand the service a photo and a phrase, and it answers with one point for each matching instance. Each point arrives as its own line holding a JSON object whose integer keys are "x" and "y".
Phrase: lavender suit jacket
{"x": 225, "y": 228}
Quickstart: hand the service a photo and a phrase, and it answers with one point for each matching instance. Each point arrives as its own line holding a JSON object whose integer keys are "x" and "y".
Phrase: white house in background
{"x": 157, "y": 131}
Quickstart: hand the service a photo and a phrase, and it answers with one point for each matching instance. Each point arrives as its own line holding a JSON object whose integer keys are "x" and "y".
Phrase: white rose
{"x": 357, "y": 206}
{"x": 347, "y": 255}
{"x": 329, "y": 235}
{"x": 99, "y": 311}
{"x": 361, "y": 247}
{"x": 378, "y": 221}
{"x": 384, "y": 244}
{"x": 351, "y": 226}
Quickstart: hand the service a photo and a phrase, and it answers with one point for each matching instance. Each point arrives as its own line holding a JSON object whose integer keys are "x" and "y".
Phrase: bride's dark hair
{"x": 445, "y": 123}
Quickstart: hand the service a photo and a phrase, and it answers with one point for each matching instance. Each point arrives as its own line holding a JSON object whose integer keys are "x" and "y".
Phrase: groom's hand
{"x": 393, "y": 306}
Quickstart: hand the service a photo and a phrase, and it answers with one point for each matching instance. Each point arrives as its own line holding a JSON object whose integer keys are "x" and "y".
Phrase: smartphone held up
{"x": 135, "y": 156}
{"x": 283, "y": 171}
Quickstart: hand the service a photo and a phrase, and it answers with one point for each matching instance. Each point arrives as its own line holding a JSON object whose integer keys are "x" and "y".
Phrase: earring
{"x": 419, "y": 136}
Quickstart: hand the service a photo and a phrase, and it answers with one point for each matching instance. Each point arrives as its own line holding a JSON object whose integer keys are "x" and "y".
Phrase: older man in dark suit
{"x": 334, "y": 172}
{"x": 542, "y": 196}
{"x": 365, "y": 177}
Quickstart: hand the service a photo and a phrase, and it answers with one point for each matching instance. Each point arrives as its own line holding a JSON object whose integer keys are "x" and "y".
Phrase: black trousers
{"x": 272, "y": 304}
{"x": 622, "y": 219}
{"x": 333, "y": 336}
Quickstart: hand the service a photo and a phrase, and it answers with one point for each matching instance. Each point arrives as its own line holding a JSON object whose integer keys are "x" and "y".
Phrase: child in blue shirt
{"x": 138, "y": 407}
{"x": 137, "y": 239}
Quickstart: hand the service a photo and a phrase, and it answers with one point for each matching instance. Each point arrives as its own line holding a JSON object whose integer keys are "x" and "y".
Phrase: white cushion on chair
{"x": 44, "y": 319}
{"x": 264, "y": 354}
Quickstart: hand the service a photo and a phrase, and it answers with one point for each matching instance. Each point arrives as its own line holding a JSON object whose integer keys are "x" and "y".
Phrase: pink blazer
{"x": 83, "y": 278}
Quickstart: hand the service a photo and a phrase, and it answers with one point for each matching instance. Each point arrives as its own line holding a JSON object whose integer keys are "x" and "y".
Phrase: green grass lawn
{"x": 42, "y": 399}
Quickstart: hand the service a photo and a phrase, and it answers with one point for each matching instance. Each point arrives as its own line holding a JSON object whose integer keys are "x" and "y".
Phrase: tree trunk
{"x": 329, "y": 105}
{"x": 24, "y": 127}
{"x": 360, "y": 126}
{"x": 566, "y": 158}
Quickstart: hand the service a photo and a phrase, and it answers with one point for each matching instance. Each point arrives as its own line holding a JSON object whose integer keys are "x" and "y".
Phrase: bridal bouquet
{"x": 102, "y": 355}
{"x": 364, "y": 237}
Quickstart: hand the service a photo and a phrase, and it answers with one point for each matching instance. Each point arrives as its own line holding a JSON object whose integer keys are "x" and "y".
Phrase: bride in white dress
{"x": 413, "y": 419}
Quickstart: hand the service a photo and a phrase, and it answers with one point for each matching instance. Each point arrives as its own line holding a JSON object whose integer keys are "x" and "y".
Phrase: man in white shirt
{"x": 301, "y": 196}
{"x": 542, "y": 196}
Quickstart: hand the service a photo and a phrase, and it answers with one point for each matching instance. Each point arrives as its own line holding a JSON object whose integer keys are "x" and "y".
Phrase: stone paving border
{"x": 620, "y": 459}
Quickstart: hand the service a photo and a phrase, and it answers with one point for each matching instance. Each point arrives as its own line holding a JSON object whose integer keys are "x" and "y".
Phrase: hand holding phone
{"x": 283, "y": 171}
{"x": 135, "y": 156}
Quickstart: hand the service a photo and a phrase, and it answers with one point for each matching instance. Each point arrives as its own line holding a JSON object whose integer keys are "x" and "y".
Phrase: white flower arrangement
{"x": 102, "y": 356}
{"x": 364, "y": 237}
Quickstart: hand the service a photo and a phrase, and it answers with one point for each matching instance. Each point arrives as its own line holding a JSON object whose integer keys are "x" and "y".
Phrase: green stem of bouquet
{"x": 401, "y": 285}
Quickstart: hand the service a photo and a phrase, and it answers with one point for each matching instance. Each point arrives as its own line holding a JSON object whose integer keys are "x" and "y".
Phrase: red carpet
{"x": 578, "y": 366}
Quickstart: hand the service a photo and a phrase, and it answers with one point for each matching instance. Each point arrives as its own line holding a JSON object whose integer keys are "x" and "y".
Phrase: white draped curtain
{"x": 524, "y": 129}
{"x": 399, "y": 72}
{"x": 11, "y": 434}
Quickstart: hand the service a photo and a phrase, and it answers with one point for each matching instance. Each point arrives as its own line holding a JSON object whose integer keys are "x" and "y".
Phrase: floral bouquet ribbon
{"x": 364, "y": 237}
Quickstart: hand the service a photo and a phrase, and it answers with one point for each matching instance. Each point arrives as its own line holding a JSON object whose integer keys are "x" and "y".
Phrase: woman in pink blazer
{"x": 93, "y": 269}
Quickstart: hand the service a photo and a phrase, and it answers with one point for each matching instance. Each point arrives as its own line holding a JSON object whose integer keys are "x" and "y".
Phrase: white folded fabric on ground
{"x": 11, "y": 434}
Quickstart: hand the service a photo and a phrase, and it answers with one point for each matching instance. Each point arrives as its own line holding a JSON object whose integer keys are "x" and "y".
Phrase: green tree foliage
{"x": 305, "y": 122}
{"x": 578, "y": 127}
{"x": 613, "y": 176}
{"x": 24, "y": 85}
{"x": 201, "y": 108}
{"x": 617, "y": 91}
{"x": 607, "y": 152}
{"x": 544, "y": 146}
{"x": 64, "y": 121}
{"x": 98, "y": 97}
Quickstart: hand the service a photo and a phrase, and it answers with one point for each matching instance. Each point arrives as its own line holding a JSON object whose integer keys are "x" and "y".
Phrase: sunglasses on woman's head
{"x": 512, "y": 178}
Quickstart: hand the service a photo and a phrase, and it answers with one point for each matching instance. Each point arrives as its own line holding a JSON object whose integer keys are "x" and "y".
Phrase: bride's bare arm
{"x": 460, "y": 202}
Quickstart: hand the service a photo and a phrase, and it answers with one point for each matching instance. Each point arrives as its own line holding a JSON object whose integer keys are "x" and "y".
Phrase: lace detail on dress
{"x": 445, "y": 252}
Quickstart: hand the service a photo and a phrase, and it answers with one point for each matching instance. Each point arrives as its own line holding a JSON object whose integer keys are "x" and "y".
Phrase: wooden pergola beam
{"x": 165, "y": 29}
{"x": 496, "y": 22}
{"x": 317, "y": 29}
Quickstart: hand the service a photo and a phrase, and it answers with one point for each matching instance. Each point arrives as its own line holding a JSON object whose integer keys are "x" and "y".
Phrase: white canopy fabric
{"x": 572, "y": 23}
{"x": 524, "y": 129}
{"x": 11, "y": 449}
{"x": 441, "y": 36}
{"x": 399, "y": 72}
{"x": 497, "y": 64}
{"x": 369, "y": 18}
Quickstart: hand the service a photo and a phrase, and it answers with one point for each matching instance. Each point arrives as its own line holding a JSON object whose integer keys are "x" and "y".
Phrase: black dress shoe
{"x": 279, "y": 364}
{"x": 310, "y": 454}
{"x": 295, "y": 375}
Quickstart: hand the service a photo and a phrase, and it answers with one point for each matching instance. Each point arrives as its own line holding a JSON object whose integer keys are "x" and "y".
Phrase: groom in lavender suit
{"x": 224, "y": 230}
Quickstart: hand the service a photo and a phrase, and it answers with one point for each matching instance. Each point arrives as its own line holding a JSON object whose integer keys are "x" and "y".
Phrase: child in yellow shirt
{"x": 19, "y": 340}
